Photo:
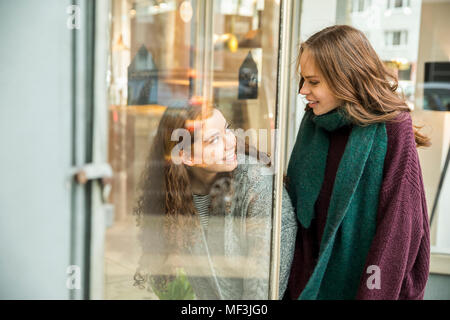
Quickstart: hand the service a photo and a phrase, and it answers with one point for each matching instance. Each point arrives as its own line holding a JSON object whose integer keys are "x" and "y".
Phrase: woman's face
{"x": 321, "y": 99}
{"x": 217, "y": 145}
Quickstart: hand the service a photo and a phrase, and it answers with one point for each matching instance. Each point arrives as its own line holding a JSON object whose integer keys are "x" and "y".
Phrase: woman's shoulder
{"x": 252, "y": 169}
{"x": 400, "y": 134}
{"x": 402, "y": 160}
{"x": 252, "y": 177}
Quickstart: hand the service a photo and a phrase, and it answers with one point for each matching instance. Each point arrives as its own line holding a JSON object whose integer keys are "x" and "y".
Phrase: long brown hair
{"x": 355, "y": 74}
{"x": 165, "y": 188}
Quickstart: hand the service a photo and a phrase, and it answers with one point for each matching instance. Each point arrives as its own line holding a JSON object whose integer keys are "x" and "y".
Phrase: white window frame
{"x": 404, "y": 4}
{"x": 389, "y": 39}
{"x": 360, "y": 6}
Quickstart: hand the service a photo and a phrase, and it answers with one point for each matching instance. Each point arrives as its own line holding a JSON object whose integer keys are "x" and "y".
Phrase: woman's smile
{"x": 313, "y": 104}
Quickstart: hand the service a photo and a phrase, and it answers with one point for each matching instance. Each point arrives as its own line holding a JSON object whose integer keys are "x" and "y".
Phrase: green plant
{"x": 177, "y": 288}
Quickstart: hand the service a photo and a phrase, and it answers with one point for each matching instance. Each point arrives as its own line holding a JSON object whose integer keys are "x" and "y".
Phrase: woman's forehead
{"x": 214, "y": 117}
{"x": 214, "y": 121}
{"x": 307, "y": 64}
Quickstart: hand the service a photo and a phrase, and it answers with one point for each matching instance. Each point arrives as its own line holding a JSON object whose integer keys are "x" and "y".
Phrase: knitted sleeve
{"x": 289, "y": 228}
{"x": 259, "y": 227}
{"x": 397, "y": 264}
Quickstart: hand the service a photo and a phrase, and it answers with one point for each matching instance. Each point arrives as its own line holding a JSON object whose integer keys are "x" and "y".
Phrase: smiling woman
{"x": 179, "y": 50}
{"x": 216, "y": 154}
{"x": 209, "y": 213}
{"x": 314, "y": 86}
{"x": 355, "y": 178}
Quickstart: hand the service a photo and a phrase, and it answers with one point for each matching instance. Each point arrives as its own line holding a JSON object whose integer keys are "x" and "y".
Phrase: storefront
{"x": 226, "y": 52}
{"x": 165, "y": 50}
{"x": 98, "y": 77}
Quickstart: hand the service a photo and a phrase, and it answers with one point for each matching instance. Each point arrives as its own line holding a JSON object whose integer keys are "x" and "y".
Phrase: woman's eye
{"x": 214, "y": 140}
{"x": 313, "y": 83}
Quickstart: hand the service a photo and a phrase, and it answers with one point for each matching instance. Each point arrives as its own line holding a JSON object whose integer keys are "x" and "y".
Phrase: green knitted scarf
{"x": 351, "y": 216}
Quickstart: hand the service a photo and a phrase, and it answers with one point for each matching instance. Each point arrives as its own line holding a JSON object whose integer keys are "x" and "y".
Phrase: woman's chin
{"x": 321, "y": 111}
{"x": 230, "y": 165}
{"x": 223, "y": 166}
{"x": 317, "y": 112}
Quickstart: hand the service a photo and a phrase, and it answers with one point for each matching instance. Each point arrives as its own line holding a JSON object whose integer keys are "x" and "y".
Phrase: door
{"x": 45, "y": 135}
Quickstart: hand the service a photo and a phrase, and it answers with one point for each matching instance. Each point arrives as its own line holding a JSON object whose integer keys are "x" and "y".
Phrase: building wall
{"x": 35, "y": 135}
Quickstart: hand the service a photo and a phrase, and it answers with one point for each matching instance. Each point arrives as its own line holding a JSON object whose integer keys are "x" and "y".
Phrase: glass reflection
{"x": 205, "y": 212}
{"x": 175, "y": 50}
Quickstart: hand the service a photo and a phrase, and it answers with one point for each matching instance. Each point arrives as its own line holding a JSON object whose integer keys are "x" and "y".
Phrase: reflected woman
{"x": 208, "y": 212}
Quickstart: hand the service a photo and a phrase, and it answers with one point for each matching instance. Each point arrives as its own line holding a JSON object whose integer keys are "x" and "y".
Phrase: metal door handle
{"x": 103, "y": 173}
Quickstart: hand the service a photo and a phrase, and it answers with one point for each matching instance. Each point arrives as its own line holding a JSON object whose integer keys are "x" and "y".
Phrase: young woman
{"x": 354, "y": 178}
{"x": 206, "y": 209}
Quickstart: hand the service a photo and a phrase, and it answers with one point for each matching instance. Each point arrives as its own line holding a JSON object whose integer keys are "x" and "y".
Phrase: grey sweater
{"x": 231, "y": 258}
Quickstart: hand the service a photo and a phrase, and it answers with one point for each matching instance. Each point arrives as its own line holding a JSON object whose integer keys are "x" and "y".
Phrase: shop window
{"x": 360, "y": 5}
{"x": 166, "y": 55}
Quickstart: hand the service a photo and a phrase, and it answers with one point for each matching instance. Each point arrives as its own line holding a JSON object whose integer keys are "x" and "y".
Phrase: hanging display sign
{"x": 248, "y": 79}
{"x": 142, "y": 79}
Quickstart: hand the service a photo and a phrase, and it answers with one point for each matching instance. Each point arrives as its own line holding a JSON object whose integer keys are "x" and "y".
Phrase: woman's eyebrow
{"x": 310, "y": 76}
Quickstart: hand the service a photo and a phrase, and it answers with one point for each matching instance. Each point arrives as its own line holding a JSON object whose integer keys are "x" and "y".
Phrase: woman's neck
{"x": 201, "y": 180}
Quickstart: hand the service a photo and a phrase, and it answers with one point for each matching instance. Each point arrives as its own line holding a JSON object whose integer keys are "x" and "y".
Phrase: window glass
{"x": 204, "y": 227}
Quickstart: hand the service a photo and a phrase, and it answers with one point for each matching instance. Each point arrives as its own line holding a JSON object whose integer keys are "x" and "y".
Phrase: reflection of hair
{"x": 355, "y": 74}
{"x": 165, "y": 186}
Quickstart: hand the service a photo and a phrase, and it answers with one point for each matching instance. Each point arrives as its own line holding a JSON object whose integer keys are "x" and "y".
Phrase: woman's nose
{"x": 304, "y": 90}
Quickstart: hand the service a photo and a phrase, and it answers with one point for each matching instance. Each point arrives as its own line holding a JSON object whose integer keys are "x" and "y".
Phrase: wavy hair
{"x": 165, "y": 188}
{"x": 355, "y": 74}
